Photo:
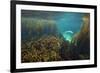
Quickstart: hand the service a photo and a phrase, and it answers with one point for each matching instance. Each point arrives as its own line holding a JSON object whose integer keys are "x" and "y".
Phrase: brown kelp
{"x": 44, "y": 49}
{"x": 37, "y": 27}
{"x": 82, "y": 38}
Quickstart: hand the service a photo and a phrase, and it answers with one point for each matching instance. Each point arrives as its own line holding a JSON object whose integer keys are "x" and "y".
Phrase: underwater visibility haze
{"x": 54, "y": 36}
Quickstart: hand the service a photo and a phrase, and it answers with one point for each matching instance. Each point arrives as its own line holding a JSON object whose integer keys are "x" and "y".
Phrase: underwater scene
{"x": 54, "y": 36}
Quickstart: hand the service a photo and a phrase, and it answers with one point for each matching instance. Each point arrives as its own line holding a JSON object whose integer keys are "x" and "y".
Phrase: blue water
{"x": 65, "y": 21}
{"x": 69, "y": 22}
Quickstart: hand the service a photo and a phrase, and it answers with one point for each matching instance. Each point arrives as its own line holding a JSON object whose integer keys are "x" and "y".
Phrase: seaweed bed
{"x": 53, "y": 47}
